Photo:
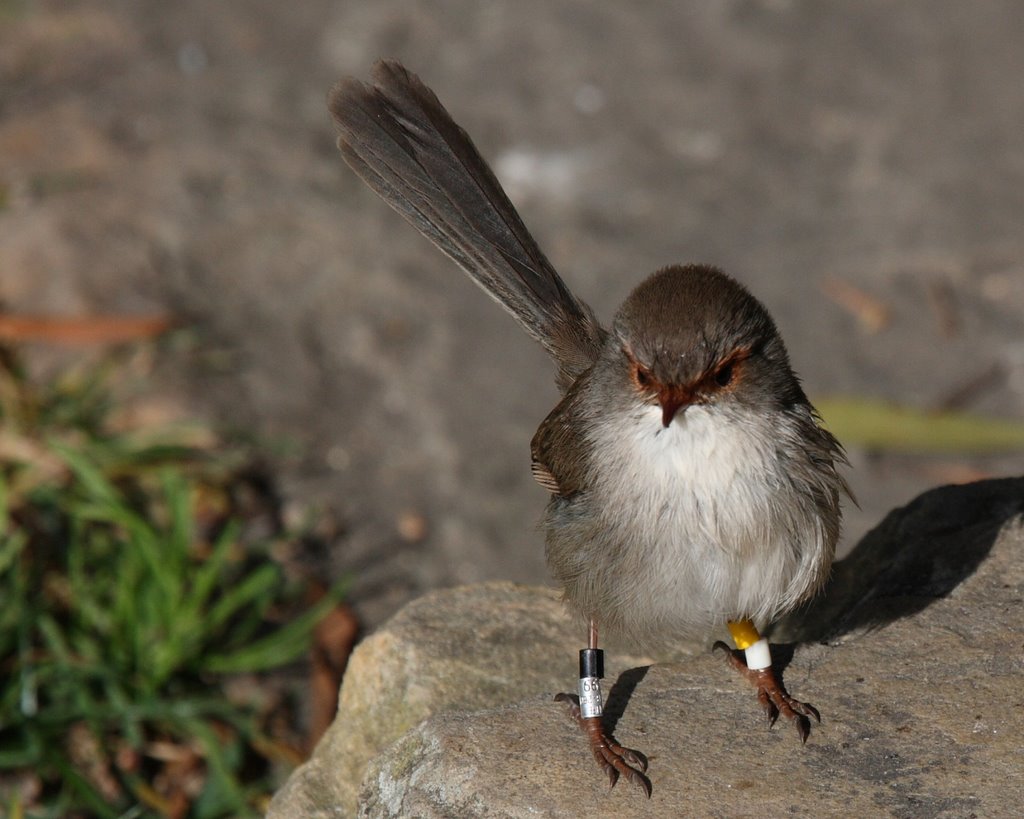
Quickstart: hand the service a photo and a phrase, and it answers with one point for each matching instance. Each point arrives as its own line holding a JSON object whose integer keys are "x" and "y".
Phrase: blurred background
{"x": 860, "y": 166}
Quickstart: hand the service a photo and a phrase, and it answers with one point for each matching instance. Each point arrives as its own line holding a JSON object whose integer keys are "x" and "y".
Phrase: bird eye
{"x": 724, "y": 374}
{"x": 642, "y": 377}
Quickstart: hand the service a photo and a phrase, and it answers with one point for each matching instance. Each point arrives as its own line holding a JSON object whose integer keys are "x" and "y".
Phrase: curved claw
{"x": 718, "y": 645}
{"x": 614, "y": 759}
{"x": 573, "y": 701}
{"x": 636, "y": 759}
{"x": 805, "y": 709}
{"x": 771, "y": 695}
{"x": 769, "y": 707}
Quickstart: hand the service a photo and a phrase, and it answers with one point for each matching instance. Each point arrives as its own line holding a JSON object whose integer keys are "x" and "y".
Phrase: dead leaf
{"x": 333, "y": 639}
{"x": 76, "y": 331}
{"x": 870, "y": 312}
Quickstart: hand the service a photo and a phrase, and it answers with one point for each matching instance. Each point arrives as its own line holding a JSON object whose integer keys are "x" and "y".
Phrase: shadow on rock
{"x": 618, "y": 696}
{"x": 918, "y": 554}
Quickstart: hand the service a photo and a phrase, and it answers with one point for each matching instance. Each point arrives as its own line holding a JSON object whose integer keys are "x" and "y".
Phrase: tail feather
{"x": 397, "y": 136}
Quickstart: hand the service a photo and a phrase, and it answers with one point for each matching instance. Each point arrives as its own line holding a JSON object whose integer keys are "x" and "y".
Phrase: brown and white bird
{"x": 691, "y": 482}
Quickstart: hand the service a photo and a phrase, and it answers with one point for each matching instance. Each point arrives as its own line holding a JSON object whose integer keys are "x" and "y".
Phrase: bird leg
{"x": 587, "y": 710}
{"x": 757, "y": 667}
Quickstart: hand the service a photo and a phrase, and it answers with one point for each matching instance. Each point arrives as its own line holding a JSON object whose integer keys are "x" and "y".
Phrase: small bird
{"x": 692, "y": 484}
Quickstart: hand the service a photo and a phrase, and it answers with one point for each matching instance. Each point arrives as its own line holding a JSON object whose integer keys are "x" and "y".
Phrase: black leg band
{"x": 591, "y": 672}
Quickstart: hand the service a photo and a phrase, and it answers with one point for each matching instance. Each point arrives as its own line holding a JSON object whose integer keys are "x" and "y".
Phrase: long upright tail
{"x": 399, "y": 138}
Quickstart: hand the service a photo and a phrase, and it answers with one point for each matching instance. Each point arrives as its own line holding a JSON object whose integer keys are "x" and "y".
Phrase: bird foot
{"x": 773, "y": 697}
{"x": 612, "y": 758}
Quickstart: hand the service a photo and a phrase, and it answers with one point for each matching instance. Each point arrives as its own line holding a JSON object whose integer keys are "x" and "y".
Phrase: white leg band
{"x": 759, "y": 656}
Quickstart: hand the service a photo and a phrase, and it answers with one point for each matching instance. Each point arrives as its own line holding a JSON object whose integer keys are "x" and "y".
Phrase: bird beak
{"x": 672, "y": 399}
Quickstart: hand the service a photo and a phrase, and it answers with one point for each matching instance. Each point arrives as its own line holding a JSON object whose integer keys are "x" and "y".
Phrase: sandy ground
{"x": 858, "y": 165}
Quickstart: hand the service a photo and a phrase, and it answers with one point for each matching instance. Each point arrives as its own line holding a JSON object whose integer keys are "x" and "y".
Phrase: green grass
{"x": 131, "y": 592}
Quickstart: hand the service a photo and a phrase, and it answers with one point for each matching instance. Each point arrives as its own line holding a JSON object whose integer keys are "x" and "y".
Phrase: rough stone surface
{"x": 921, "y": 687}
{"x": 459, "y": 649}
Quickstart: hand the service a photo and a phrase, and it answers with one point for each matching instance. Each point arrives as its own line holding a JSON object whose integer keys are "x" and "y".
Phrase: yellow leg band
{"x": 743, "y": 634}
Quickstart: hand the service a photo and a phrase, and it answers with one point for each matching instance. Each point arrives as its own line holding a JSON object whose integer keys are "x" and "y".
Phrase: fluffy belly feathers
{"x": 728, "y": 535}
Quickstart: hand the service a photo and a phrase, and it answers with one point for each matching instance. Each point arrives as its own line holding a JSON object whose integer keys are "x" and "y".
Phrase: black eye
{"x": 723, "y": 377}
{"x": 642, "y": 377}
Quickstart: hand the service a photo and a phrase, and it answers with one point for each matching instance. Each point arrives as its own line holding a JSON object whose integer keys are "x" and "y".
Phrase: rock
{"x": 921, "y": 689}
{"x": 461, "y": 649}
{"x": 918, "y": 554}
